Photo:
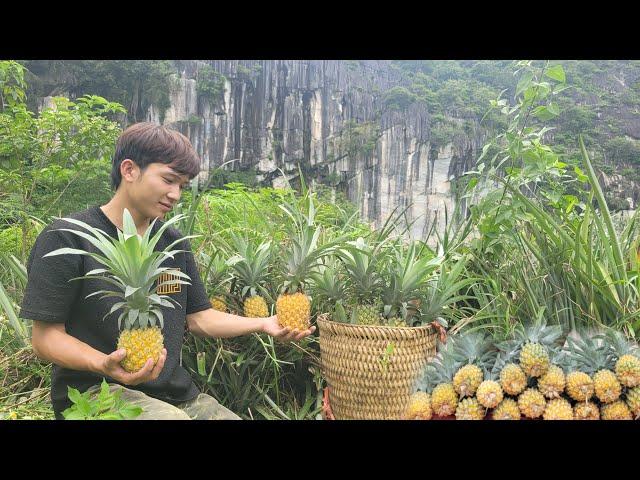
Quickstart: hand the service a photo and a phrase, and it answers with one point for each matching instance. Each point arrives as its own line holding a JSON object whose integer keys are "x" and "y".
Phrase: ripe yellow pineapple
{"x": 579, "y": 386}
{"x": 627, "y": 365}
{"x": 633, "y": 401}
{"x": 250, "y": 265}
{"x": 293, "y": 306}
{"x": 507, "y": 410}
{"x": 586, "y": 411}
{"x": 607, "y": 386}
{"x": 419, "y": 407}
{"x": 552, "y": 383}
{"x": 474, "y": 352}
{"x": 143, "y": 318}
{"x": 444, "y": 400}
{"x": 532, "y": 403}
{"x": 470, "y": 409}
{"x": 218, "y": 303}
{"x": 512, "y": 379}
{"x": 489, "y": 394}
{"x": 467, "y": 380}
{"x": 617, "y": 410}
{"x": 437, "y": 379}
{"x": 534, "y": 359}
{"x": 558, "y": 409}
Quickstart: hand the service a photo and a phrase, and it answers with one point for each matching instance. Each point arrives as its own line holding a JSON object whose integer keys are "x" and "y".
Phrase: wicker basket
{"x": 371, "y": 370}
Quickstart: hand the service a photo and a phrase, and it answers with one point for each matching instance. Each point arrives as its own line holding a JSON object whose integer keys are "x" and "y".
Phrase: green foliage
{"x": 398, "y": 98}
{"x": 210, "y": 84}
{"x": 105, "y": 405}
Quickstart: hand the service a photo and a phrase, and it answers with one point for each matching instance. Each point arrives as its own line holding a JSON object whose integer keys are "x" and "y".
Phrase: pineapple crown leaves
{"x": 250, "y": 264}
{"x": 619, "y": 344}
{"x": 589, "y": 353}
{"x": 474, "y": 348}
{"x": 441, "y": 369}
{"x": 361, "y": 266}
{"x": 327, "y": 281}
{"x": 538, "y": 332}
{"x": 132, "y": 266}
{"x": 216, "y": 272}
{"x": 406, "y": 275}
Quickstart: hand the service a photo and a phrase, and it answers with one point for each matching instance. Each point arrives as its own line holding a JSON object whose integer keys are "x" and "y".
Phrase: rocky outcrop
{"x": 328, "y": 117}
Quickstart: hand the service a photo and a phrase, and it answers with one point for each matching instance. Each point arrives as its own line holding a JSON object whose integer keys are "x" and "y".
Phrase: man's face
{"x": 157, "y": 189}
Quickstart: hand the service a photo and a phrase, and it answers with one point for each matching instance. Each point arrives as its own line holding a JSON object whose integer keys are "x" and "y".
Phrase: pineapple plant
{"x": 302, "y": 254}
{"x": 507, "y": 409}
{"x": 592, "y": 356}
{"x": 617, "y": 410}
{"x": 558, "y": 409}
{"x": 586, "y": 411}
{"x": 627, "y": 366}
{"x": 133, "y": 267}
{"x": 329, "y": 288}
{"x": 215, "y": 275}
{"x": 474, "y": 351}
{"x": 438, "y": 379}
{"x": 250, "y": 266}
{"x": 419, "y": 407}
{"x": 364, "y": 281}
{"x": 470, "y": 409}
{"x": 532, "y": 403}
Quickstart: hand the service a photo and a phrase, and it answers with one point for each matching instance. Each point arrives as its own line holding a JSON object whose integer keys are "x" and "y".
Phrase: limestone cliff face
{"x": 326, "y": 116}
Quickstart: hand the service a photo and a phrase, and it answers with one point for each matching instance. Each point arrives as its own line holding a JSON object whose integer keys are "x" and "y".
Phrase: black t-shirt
{"x": 51, "y": 297}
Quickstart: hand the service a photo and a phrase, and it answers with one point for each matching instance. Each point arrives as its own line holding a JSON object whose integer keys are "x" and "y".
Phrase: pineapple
{"x": 552, "y": 383}
{"x": 474, "y": 352}
{"x": 617, "y": 410}
{"x": 218, "y": 303}
{"x": 558, "y": 409}
{"x": 537, "y": 340}
{"x": 627, "y": 367}
{"x": 293, "y": 306}
{"x": 469, "y": 409}
{"x": 489, "y": 394}
{"x": 586, "y": 411}
{"x": 419, "y": 407}
{"x": 364, "y": 281}
{"x": 579, "y": 386}
{"x": 507, "y": 410}
{"x": 532, "y": 403}
{"x": 133, "y": 267}
{"x": 633, "y": 401}
{"x": 215, "y": 276}
{"x": 512, "y": 379}
{"x": 250, "y": 265}
{"x": 437, "y": 378}
{"x": 592, "y": 355}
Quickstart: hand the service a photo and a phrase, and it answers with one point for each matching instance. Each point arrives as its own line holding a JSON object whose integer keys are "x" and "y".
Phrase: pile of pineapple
{"x": 532, "y": 377}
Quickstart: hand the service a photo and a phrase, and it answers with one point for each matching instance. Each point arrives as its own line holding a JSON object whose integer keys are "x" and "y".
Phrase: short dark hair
{"x": 146, "y": 143}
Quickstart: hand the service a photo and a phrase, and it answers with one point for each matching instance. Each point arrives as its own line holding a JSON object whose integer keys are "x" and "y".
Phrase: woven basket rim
{"x": 324, "y": 318}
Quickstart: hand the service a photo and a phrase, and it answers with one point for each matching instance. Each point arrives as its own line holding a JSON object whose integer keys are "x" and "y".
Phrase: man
{"x": 150, "y": 167}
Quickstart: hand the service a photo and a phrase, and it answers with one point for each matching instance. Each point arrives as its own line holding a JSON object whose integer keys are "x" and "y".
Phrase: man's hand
{"x": 111, "y": 367}
{"x": 285, "y": 334}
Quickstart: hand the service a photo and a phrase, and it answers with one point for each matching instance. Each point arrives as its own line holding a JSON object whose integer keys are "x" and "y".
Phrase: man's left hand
{"x": 285, "y": 334}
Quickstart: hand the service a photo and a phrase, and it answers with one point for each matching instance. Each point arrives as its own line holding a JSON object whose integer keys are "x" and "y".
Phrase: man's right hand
{"x": 111, "y": 367}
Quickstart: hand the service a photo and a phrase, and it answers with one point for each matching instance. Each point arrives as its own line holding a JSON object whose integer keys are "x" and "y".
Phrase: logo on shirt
{"x": 168, "y": 288}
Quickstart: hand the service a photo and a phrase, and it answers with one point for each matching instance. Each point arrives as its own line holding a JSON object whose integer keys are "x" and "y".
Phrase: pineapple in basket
{"x": 406, "y": 273}
{"x": 250, "y": 266}
{"x": 364, "y": 281}
{"x": 133, "y": 267}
